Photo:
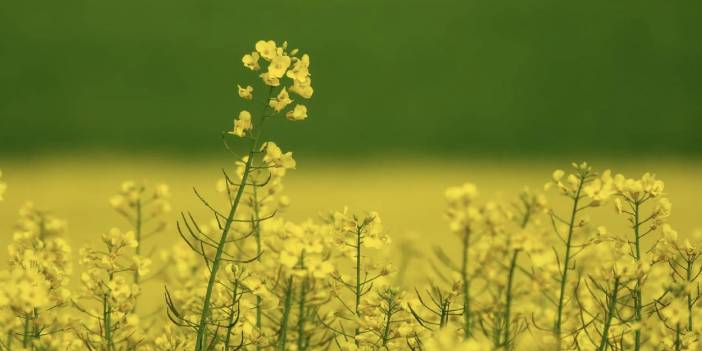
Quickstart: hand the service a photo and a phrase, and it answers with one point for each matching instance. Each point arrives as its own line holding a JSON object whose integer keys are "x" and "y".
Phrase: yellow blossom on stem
{"x": 269, "y": 80}
{"x": 267, "y": 49}
{"x": 281, "y": 101}
{"x": 279, "y": 65}
{"x": 242, "y": 124}
{"x": 299, "y": 113}
{"x": 245, "y": 93}
{"x": 251, "y": 61}
{"x": 303, "y": 89}
{"x": 300, "y": 70}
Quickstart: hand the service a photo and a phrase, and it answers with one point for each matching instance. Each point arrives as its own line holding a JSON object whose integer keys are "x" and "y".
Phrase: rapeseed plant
{"x": 247, "y": 278}
{"x": 36, "y": 293}
{"x": 143, "y": 208}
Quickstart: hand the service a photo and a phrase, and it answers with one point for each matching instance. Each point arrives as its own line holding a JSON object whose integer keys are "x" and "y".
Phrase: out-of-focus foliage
{"x": 450, "y": 76}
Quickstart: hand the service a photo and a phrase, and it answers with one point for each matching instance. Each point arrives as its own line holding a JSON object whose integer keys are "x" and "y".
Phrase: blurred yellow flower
{"x": 298, "y": 113}
{"x": 267, "y": 49}
{"x": 242, "y": 124}
{"x": 269, "y": 80}
{"x": 303, "y": 89}
{"x": 281, "y": 101}
{"x": 251, "y": 61}
{"x": 245, "y": 93}
{"x": 300, "y": 70}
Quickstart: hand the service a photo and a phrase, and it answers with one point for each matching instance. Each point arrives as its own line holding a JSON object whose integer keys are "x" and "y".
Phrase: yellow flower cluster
{"x": 281, "y": 64}
{"x": 34, "y": 288}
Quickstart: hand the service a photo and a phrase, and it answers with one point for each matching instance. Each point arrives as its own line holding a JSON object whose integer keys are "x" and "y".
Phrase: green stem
{"x": 510, "y": 281}
{"x": 107, "y": 321}
{"x": 358, "y": 292}
{"x": 690, "y": 303}
{"x": 257, "y": 234}
{"x": 232, "y": 312}
{"x": 508, "y": 304}
{"x": 283, "y": 337}
{"x": 566, "y": 262}
{"x": 467, "y": 313}
{"x": 137, "y": 232}
{"x": 388, "y": 315}
{"x": 678, "y": 341}
{"x": 443, "y": 320}
{"x": 36, "y": 330}
{"x": 301, "y": 318}
{"x": 638, "y": 305}
{"x": 204, "y": 316}
{"x": 610, "y": 314}
{"x": 497, "y": 333}
{"x": 25, "y": 335}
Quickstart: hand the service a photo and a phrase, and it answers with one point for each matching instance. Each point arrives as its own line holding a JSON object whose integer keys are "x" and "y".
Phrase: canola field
{"x": 409, "y": 194}
{"x": 265, "y": 249}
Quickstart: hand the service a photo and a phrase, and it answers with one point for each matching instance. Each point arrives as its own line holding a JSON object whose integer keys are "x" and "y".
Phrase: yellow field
{"x": 409, "y": 194}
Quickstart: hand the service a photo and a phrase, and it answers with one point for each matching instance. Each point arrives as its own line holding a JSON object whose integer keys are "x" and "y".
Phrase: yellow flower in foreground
{"x": 251, "y": 61}
{"x": 281, "y": 101}
{"x": 242, "y": 124}
{"x": 303, "y": 89}
{"x": 269, "y": 80}
{"x": 279, "y": 65}
{"x": 245, "y": 93}
{"x": 300, "y": 70}
{"x": 298, "y": 113}
{"x": 279, "y": 161}
{"x": 267, "y": 49}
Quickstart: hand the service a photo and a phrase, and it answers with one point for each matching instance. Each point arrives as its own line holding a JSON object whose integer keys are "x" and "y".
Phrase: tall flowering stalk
{"x": 108, "y": 298}
{"x": 581, "y": 186}
{"x": 356, "y": 235}
{"x": 632, "y": 195}
{"x": 529, "y": 205}
{"x": 38, "y": 276}
{"x": 281, "y": 64}
{"x": 143, "y": 208}
{"x": 678, "y": 309}
{"x": 464, "y": 217}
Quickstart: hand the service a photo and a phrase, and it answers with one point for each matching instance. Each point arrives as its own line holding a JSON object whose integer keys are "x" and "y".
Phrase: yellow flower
{"x": 281, "y": 101}
{"x": 141, "y": 265}
{"x": 245, "y": 93}
{"x": 267, "y": 49}
{"x": 300, "y": 71}
{"x": 303, "y": 89}
{"x": 279, "y": 65}
{"x": 288, "y": 259}
{"x": 251, "y": 61}
{"x": 298, "y": 113}
{"x": 269, "y": 80}
{"x": 279, "y": 161}
{"x": 557, "y": 175}
{"x": 242, "y": 124}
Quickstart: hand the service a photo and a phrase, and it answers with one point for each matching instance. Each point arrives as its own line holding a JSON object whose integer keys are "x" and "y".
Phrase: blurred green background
{"x": 511, "y": 77}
